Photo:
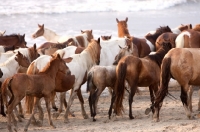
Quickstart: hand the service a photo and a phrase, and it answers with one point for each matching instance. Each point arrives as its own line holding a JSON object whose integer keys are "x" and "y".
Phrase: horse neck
{"x": 52, "y": 70}
{"x": 11, "y": 64}
{"x": 25, "y": 52}
{"x": 122, "y": 32}
{"x": 50, "y": 35}
{"x": 5, "y": 56}
{"x": 88, "y": 59}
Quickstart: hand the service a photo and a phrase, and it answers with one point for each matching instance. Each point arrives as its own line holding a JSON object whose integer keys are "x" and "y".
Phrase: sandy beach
{"x": 172, "y": 117}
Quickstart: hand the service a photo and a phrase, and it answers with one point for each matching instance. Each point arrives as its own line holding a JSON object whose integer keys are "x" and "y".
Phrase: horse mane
{"x": 162, "y": 29}
{"x": 92, "y": 48}
{"x": 20, "y": 37}
{"x": 59, "y": 46}
{"x": 159, "y": 55}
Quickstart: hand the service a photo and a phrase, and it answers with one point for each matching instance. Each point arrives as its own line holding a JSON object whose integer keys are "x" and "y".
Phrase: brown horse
{"x": 106, "y": 37}
{"x": 137, "y": 72}
{"x": 144, "y": 45}
{"x": 48, "y": 48}
{"x": 100, "y": 77}
{"x": 189, "y": 38}
{"x": 39, "y": 85}
{"x": 170, "y": 37}
{"x": 182, "y": 64}
{"x": 13, "y": 40}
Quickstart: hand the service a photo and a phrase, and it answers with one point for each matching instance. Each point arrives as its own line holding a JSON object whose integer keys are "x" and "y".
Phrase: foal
{"x": 39, "y": 85}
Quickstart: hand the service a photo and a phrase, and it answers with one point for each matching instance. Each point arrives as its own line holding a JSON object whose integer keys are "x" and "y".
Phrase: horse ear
{"x": 24, "y": 35}
{"x": 58, "y": 56}
{"x": 110, "y": 36}
{"x": 120, "y": 47}
{"x": 91, "y": 30}
{"x": 190, "y": 26}
{"x": 117, "y": 20}
{"x": 3, "y": 32}
{"x": 126, "y": 19}
{"x": 98, "y": 40}
{"x": 34, "y": 46}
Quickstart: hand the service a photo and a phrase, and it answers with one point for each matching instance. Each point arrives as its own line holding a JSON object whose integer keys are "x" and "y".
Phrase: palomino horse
{"x": 79, "y": 65}
{"x": 39, "y": 85}
{"x": 49, "y": 35}
{"x": 143, "y": 44}
{"x": 169, "y": 37}
{"x": 189, "y": 38}
{"x": 13, "y": 40}
{"x": 182, "y": 64}
{"x": 38, "y": 64}
{"x": 100, "y": 77}
{"x": 106, "y": 37}
{"x": 2, "y": 33}
{"x": 80, "y": 40}
{"x": 137, "y": 72}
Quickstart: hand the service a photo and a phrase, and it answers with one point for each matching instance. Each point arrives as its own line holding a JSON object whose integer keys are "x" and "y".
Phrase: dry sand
{"x": 172, "y": 117}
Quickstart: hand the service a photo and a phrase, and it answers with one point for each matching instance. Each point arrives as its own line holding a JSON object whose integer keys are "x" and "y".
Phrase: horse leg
{"x": 53, "y": 104}
{"x": 71, "y": 98}
{"x": 20, "y": 110}
{"x": 199, "y": 100}
{"x": 152, "y": 89}
{"x": 186, "y": 100}
{"x": 111, "y": 104}
{"x": 41, "y": 114}
{"x": 80, "y": 97}
{"x": 17, "y": 114}
{"x": 132, "y": 93}
{"x": 190, "y": 92}
{"x": 36, "y": 101}
{"x": 47, "y": 101}
{"x": 90, "y": 103}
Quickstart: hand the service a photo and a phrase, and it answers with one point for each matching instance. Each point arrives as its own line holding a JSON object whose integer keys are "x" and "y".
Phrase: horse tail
{"x": 164, "y": 80}
{"x": 90, "y": 83}
{"x": 119, "y": 88}
{"x": 6, "y": 85}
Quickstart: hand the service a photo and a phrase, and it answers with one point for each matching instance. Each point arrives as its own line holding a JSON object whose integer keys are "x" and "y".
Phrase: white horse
{"x": 49, "y": 35}
{"x": 2, "y": 33}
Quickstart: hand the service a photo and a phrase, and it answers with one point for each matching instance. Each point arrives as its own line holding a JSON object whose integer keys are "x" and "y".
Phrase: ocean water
{"x": 68, "y": 17}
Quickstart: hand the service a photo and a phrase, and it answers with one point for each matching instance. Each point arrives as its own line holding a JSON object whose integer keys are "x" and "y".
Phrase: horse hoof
{"x": 156, "y": 120}
{"x": 25, "y": 130}
{"x": 22, "y": 116}
{"x": 55, "y": 108}
{"x": 15, "y": 129}
{"x": 55, "y": 115}
{"x": 85, "y": 116}
{"x": 94, "y": 119}
{"x": 39, "y": 123}
{"x": 131, "y": 117}
{"x": 72, "y": 114}
{"x": 66, "y": 121}
{"x": 147, "y": 111}
{"x": 53, "y": 126}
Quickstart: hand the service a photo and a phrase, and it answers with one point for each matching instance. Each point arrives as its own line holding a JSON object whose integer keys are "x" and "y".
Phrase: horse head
{"x": 22, "y": 60}
{"x": 106, "y": 37}
{"x": 39, "y": 32}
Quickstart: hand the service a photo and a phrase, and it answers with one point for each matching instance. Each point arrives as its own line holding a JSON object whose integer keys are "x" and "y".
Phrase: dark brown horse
{"x": 136, "y": 72}
{"x": 13, "y": 40}
{"x": 40, "y": 85}
{"x": 106, "y": 37}
{"x": 144, "y": 45}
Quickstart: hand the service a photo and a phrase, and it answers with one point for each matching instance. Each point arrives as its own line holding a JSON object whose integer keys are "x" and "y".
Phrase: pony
{"x": 2, "y": 33}
{"x": 81, "y": 40}
{"x": 79, "y": 65}
{"x": 106, "y": 37}
{"x": 137, "y": 72}
{"x": 143, "y": 44}
{"x": 39, "y": 85}
{"x": 189, "y": 38}
{"x": 100, "y": 77}
{"x": 38, "y": 64}
{"x": 13, "y": 40}
{"x": 182, "y": 65}
{"x": 49, "y": 35}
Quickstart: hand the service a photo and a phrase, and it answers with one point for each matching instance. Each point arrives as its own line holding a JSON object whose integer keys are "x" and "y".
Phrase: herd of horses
{"x": 121, "y": 64}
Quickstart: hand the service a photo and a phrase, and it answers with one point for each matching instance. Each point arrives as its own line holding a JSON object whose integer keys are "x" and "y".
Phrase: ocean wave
{"x": 65, "y": 6}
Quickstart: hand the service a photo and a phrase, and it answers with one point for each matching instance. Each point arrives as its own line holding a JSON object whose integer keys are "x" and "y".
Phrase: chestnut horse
{"x": 136, "y": 71}
{"x": 143, "y": 44}
{"x": 38, "y": 64}
{"x": 171, "y": 37}
{"x": 39, "y": 85}
{"x": 189, "y": 38}
{"x": 100, "y": 77}
{"x": 13, "y": 40}
{"x": 49, "y": 35}
{"x": 182, "y": 64}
